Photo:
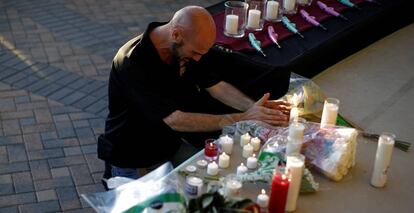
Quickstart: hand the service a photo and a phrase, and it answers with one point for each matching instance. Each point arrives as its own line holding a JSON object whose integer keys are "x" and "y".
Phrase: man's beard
{"x": 176, "y": 57}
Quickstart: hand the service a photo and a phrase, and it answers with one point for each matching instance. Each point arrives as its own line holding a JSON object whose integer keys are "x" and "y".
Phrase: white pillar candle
{"x": 294, "y": 114}
{"x": 224, "y": 160}
{"x": 289, "y": 5}
{"x": 330, "y": 112}
{"x": 272, "y": 9}
{"x": 212, "y": 168}
{"x": 295, "y": 165}
{"x": 251, "y": 162}
{"x": 241, "y": 169}
{"x": 382, "y": 159}
{"x": 254, "y": 19}
{"x": 247, "y": 150}
{"x": 255, "y": 142}
{"x": 263, "y": 199}
{"x": 233, "y": 188}
{"x": 226, "y": 143}
{"x": 232, "y": 23}
{"x": 296, "y": 130}
{"x": 244, "y": 139}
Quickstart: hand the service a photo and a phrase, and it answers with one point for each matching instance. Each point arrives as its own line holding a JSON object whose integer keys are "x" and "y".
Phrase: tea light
{"x": 255, "y": 142}
{"x": 252, "y": 162}
{"x": 245, "y": 139}
{"x": 232, "y": 22}
{"x": 212, "y": 168}
{"x": 241, "y": 169}
{"x": 247, "y": 150}
{"x": 202, "y": 164}
{"x": 226, "y": 143}
{"x": 263, "y": 199}
{"x": 253, "y": 21}
{"x": 224, "y": 160}
{"x": 191, "y": 168}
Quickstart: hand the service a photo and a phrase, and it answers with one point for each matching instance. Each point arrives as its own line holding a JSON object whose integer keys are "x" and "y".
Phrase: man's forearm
{"x": 231, "y": 96}
{"x": 199, "y": 122}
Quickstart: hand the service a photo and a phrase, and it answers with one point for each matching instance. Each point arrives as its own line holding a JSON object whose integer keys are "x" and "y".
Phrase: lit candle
{"x": 245, "y": 139}
{"x": 295, "y": 138}
{"x": 252, "y": 162}
{"x": 212, "y": 168}
{"x": 247, "y": 150}
{"x": 263, "y": 199}
{"x": 382, "y": 159}
{"x": 255, "y": 142}
{"x": 295, "y": 165}
{"x": 330, "y": 112}
{"x": 253, "y": 22}
{"x": 232, "y": 22}
{"x": 224, "y": 160}
{"x": 226, "y": 143}
{"x": 241, "y": 169}
{"x": 210, "y": 150}
{"x": 233, "y": 188}
{"x": 272, "y": 9}
{"x": 278, "y": 193}
{"x": 289, "y": 5}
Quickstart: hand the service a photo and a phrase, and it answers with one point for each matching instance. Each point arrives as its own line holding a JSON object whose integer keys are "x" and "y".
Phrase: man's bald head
{"x": 196, "y": 25}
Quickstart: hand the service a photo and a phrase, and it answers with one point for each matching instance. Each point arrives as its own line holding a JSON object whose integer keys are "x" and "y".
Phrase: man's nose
{"x": 196, "y": 57}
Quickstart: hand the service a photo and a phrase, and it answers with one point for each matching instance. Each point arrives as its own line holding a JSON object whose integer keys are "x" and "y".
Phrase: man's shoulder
{"x": 123, "y": 56}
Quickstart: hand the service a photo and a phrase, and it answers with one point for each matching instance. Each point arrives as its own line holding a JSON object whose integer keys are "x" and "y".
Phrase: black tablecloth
{"x": 321, "y": 49}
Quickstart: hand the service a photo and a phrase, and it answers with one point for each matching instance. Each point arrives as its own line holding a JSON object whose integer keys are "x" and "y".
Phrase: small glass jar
{"x": 273, "y": 11}
{"x": 235, "y": 17}
{"x": 304, "y": 2}
{"x": 255, "y": 15}
{"x": 289, "y": 7}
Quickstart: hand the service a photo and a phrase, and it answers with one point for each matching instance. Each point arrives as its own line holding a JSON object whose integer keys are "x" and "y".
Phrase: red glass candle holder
{"x": 279, "y": 192}
{"x": 211, "y": 150}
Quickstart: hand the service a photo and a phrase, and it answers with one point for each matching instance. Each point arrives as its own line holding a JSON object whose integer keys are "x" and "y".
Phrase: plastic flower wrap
{"x": 330, "y": 150}
{"x": 160, "y": 187}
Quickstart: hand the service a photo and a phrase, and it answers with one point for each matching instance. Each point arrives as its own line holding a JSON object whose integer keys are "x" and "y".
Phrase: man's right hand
{"x": 259, "y": 111}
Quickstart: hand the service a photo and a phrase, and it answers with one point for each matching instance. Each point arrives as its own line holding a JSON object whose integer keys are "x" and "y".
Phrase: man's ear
{"x": 176, "y": 36}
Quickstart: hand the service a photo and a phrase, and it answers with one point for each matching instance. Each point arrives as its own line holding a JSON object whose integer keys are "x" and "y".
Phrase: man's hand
{"x": 280, "y": 105}
{"x": 273, "y": 113}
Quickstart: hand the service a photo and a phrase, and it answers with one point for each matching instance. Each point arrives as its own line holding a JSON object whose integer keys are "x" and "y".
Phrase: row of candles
{"x": 256, "y": 12}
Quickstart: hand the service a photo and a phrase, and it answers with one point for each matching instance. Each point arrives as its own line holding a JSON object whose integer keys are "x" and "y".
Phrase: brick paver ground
{"x": 55, "y": 57}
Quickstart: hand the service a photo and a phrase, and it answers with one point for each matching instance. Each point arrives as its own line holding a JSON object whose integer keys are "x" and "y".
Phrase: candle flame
{"x": 263, "y": 191}
{"x": 283, "y": 177}
{"x": 211, "y": 144}
{"x": 254, "y": 155}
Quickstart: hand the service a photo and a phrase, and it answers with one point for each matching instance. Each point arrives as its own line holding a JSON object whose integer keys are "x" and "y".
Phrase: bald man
{"x": 155, "y": 105}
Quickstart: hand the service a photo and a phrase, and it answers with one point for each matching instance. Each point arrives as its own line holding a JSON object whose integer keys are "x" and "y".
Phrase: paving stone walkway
{"x": 55, "y": 57}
